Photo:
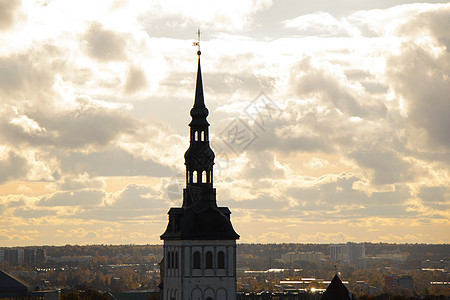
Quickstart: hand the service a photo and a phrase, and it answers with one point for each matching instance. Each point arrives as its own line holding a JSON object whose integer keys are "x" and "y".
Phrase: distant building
{"x": 390, "y": 282}
{"x": 29, "y": 256}
{"x": 14, "y": 256}
{"x": 362, "y": 286}
{"x": 41, "y": 255}
{"x": 306, "y": 256}
{"x": 406, "y": 282}
{"x": 393, "y": 281}
{"x": 347, "y": 252}
{"x": 19, "y": 256}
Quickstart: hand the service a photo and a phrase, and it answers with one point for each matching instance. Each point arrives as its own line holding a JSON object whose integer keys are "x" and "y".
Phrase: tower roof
{"x": 9, "y": 284}
{"x": 336, "y": 290}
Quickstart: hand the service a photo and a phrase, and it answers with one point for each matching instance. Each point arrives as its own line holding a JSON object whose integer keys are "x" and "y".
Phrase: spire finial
{"x": 198, "y": 42}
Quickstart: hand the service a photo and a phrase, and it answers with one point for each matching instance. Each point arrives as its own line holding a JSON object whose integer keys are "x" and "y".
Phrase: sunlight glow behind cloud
{"x": 96, "y": 99}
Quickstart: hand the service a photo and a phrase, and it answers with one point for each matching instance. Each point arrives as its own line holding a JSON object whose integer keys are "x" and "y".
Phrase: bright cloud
{"x": 347, "y": 141}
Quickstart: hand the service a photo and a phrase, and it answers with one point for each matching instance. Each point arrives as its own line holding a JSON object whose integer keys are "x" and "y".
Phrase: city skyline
{"x": 329, "y": 121}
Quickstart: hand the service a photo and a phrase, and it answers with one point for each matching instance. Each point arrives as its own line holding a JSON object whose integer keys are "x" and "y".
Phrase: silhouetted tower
{"x": 199, "y": 242}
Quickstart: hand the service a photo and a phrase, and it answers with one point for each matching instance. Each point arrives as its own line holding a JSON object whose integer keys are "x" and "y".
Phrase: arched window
{"x": 203, "y": 136}
{"x": 204, "y": 177}
{"x": 194, "y": 177}
{"x": 196, "y": 262}
{"x": 176, "y": 259}
{"x": 221, "y": 260}
{"x": 196, "y": 136}
{"x": 172, "y": 258}
{"x": 208, "y": 260}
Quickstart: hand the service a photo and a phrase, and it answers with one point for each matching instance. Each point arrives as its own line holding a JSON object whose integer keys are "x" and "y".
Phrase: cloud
{"x": 393, "y": 238}
{"x": 12, "y": 166}
{"x": 13, "y": 234}
{"x": 388, "y": 166}
{"x": 77, "y": 127}
{"x": 77, "y": 181}
{"x": 105, "y": 45}
{"x": 31, "y": 70}
{"x": 434, "y": 194}
{"x": 262, "y": 165}
{"x": 233, "y": 15}
{"x": 28, "y": 213}
{"x": 319, "y": 237}
{"x": 436, "y": 198}
{"x": 27, "y": 125}
{"x": 73, "y": 198}
{"x": 329, "y": 84}
{"x": 421, "y": 79}
{"x": 133, "y": 202}
{"x": 9, "y": 12}
{"x": 136, "y": 80}
{"x": 115, "y": 162}
{"x": 136, "y": 196}
{"x": 102, "y": 95}
{"x": 321, "y": 24}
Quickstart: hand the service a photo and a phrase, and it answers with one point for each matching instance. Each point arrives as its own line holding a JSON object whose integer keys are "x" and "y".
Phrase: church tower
{"x": 199, "y": 242}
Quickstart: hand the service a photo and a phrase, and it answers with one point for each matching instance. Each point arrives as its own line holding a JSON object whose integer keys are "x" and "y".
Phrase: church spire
{"x": 199, "y": 99}
{"x": 199, "y": 112}
{"x": 199, "y": 218}
{"x": 199, "y": 158}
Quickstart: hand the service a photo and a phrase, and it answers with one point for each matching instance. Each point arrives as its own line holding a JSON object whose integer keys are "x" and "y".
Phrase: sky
{"x": 329, "y": 119}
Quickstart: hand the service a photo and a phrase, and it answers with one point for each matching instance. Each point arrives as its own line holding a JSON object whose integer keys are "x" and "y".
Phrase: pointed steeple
{"x": 336, "y": 290}
{"x": 199, "y": 112}
{"x": 199, "y": 100}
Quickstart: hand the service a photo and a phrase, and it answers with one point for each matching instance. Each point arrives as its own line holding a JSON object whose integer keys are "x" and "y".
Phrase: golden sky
{"x": 329, "y": 120}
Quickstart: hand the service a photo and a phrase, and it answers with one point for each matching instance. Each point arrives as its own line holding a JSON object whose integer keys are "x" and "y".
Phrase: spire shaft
{"x": 199, "y": 99}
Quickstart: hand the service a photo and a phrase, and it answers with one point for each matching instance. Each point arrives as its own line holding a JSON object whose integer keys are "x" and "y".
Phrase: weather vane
{"x": 198, "y": 41}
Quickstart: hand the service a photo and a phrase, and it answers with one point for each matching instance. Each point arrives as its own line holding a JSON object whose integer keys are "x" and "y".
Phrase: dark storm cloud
{"x": 9, "y": 11}
{"x": 114, "y": 162}
{"x": 104, "y": 44}
{"x": 422, "y": 78}
{"x": 85, "y": 198}
{"x": 12, "y": 166}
